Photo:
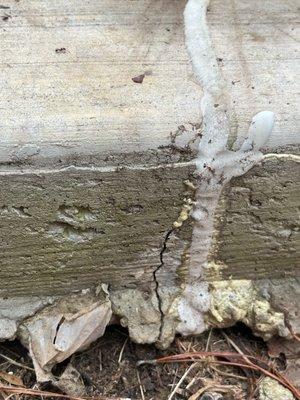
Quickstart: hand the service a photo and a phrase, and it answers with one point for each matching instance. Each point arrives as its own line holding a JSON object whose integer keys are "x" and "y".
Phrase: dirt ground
{"x": 109, "y": 367}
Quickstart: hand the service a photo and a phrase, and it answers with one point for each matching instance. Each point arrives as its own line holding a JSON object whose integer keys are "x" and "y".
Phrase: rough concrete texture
{"x": 99, "y": 176}
{"x": 269, "y": 389}
{"x": 236, "y": 300}
{"x": 68, "y": 93}
{"x": 139, "y": 311}
{"x": 66, "y": 229}
{"x": 259, "y": 209}
{"x": 14, "y": 310}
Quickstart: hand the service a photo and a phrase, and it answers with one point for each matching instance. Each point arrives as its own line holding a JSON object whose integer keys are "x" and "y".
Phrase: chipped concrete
{"x": 14, "y": 310}
{"x": 139, "y": 312}
{"x": 269, "y": 389}
{"x": 239, "y": 300}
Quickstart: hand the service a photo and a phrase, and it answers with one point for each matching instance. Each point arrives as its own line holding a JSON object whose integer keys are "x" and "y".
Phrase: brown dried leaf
{"x": 12, "y": 379}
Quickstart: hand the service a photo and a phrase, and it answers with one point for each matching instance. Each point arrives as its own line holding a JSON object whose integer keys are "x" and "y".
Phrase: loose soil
{"x": 109, "y": 367}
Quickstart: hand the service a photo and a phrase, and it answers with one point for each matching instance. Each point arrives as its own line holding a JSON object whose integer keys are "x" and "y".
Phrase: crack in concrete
{"x": 57, "y": 329}
{"x": 156, "y": 289}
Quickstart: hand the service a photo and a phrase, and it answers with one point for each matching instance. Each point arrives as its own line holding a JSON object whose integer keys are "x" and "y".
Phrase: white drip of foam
{"x": 216, "y": 164}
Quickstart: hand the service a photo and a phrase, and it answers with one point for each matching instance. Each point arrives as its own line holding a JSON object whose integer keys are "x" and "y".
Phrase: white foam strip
{"x": 216, "y": 165}
{"x": 74, "y": 168}
{"x": 214, "y": 102}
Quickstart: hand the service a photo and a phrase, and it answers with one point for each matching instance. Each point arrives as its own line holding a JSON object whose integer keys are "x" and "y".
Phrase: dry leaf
{"x": 12, "y": 379}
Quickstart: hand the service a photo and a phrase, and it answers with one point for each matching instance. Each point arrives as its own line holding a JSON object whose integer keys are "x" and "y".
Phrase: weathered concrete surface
{"x": 95, "y": 169}
{"x": 270, "y": 389}
{"x": 257, "y": 50}
{"x": 66, "y": 230}
{"x": 13, "y": 310}
{"x": 257, "y": 224}
{"x": 66, "y": 88}
{"x": 67, "y": 94}
{"x": 58, "y": 239}
{"x": 268, "y": 307}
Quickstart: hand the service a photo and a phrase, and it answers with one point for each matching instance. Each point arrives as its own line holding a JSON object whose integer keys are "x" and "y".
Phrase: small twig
{"x": 140, "y": 385}
{"x": 217, "y": 388}
{"x": 188, "y": 370}
{"x": 202, "y": 390}
{"x": 252, "y": 365}
{"x": 196, "y": 378}
{"x": 174, "y": 379}
{"x": 208, "y": 340}
{"x": 9, "y": 396}
{"x": 228, "y": 374}
{"x": 179, "y": 343}
{"x": 122, "y": 350}
{"x": 100, "y": 360}
{"x": 32, "y": 392}
{"x": 16, "y": 363}
{"x": 231, "y": 342}
{"x": 235, "y": 346}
